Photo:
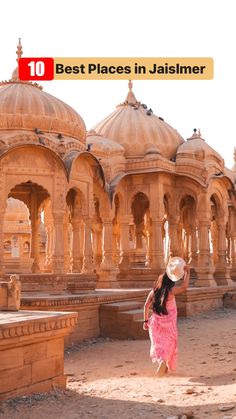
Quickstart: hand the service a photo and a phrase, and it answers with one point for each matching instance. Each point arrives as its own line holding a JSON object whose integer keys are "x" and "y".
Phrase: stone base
{"x": 108, "y": 278}
{"x": 204, "y": 277}
{"x": 87, "y": 306}
{"x": 233, "y": 274}
{"x": 32, "y": 351}
{"x": 138, "y": 278}
{"x": 202, "y": 299}
{"x": 57, "y": 284}
{"x": 81, "y": 283}
{"x": 18, "y": 265}
{"x": 222, "y": 276}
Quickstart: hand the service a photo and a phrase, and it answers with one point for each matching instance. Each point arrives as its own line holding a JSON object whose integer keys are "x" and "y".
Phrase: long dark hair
{"x": 161, "y": 294}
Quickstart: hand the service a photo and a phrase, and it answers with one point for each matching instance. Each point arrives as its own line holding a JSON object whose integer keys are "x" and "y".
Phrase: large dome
{"x": 24, "y": 106}
{"x": 139, "y": 131}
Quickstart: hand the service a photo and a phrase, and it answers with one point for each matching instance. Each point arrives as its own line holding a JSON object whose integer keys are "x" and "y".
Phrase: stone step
{"x": 123, "y": 320}
{"x": 122, "y": 306}
{"x": 132, "y": 315}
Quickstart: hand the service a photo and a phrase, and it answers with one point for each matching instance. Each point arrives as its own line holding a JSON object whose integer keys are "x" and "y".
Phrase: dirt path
{"x": 115, "y": 379}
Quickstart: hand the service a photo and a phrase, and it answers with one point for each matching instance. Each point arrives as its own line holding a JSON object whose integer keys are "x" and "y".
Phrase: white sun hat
{"x": 175, "y": 268}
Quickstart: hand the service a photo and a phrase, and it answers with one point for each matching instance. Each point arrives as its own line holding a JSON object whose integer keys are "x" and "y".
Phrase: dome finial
{"x": 196, "y": 134}
{"x": 130, "y": 85}
{"x": 235, "y": 154}
{"x": 19, "y": 51}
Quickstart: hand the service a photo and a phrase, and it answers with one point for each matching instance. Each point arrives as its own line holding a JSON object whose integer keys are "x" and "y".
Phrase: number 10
{"x": 37, "y": 68}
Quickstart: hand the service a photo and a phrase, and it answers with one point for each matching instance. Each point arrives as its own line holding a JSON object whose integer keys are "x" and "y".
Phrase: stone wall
{"x": 32, "y": 351}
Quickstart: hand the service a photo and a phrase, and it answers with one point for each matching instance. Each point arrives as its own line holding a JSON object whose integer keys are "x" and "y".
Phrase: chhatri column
{"x": 204, "y": 270}
{"x": 66, "y": 245}
{"x": 97, "y": 248}
{"x": 233, "y": 256}
{"x": 49, "y": 248}
{"x": 34, "y": 248}
{"x": 88, "y": 266}
{"x": 58, "y": 245}
{"x": 157, "y": 248}
{"x": 222, "y": 270}
{"x": 194, "y": 245}
{"x": 77, "y": 250}
{"x": 124, "y": 239}
{"x": 175, "y": 249}
{"x": 108, "y": 271}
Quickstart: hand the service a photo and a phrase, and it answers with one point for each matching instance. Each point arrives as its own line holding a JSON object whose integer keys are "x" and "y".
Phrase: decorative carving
{"x": 10, "y": 294}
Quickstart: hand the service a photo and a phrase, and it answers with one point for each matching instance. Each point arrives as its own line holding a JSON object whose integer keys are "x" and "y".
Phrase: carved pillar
{"x": 194, "y": 245}
{"x": 107, "y": 261}
{"x": 174, "y": 236}
{"x": 204, "y": 269}
{"x": 108, "y": 271}
{"x": 157, "y": 249}
{"x": 77, "y": 250}
{"x": 97, "y": 248}
{"x": 233, "y": 257}
{"x": 49, "y": 248}
{"x": 88, "y": 251}
{"x": 124, "y": 242}
{"x": 66, "y": 245}
{"x": 222, "y": 271}
{"x": 58, "y": 245}
{"x": 1, "y": 243}
{"x": 35, "y": 222}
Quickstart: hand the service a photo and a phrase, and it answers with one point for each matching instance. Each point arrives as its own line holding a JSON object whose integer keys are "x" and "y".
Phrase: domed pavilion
{"x": 113, "y": 203}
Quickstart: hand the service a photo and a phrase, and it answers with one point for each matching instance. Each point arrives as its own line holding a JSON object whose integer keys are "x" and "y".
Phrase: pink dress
{"x": 163, "y": 335}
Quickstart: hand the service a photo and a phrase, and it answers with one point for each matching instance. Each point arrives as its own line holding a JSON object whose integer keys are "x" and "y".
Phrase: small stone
{"x": 227, "y": 407}
{"x": 203, "y": 362}
{"x": 118, "y": 366}
{"x": 190, "y": 391}
{"x": 133, "y": 373}
{"x": 188, "y": 415}
{"x": 221, "y": 359}
{"x": 161, "y": 401}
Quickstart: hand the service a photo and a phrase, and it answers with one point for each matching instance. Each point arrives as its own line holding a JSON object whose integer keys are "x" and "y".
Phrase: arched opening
{"x": 97, "y": 227}
{"x": 140, "y": 230}
{"x": 28, "y": 242}
{"x": 187, "y": 231}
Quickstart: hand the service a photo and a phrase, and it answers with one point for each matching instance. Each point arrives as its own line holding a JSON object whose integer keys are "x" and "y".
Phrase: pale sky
{"x": 134, "y": 28}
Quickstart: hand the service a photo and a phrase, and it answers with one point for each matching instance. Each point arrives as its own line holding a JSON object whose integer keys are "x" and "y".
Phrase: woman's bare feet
{"x": 162, "y": 369}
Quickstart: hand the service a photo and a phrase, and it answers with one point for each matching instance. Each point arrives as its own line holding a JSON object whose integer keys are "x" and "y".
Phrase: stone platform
{"x": 89, "y": 306}
{"x": 32, "y": 351}
{"x": 57, "y": 283}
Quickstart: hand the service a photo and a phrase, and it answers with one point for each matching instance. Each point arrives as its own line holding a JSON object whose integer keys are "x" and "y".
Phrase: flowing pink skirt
{"x": 163, "y": 335}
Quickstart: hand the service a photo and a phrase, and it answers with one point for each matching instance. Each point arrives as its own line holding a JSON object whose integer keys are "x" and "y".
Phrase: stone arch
{"x": 33, "y": 195}
{"x": 37, "y": 165}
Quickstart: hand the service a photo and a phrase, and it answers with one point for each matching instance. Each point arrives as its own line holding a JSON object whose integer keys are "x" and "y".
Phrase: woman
{"x": 162, "y": 324}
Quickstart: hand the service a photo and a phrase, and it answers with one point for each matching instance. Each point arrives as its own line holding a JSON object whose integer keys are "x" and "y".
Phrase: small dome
{"x": 24, "y": 106}
{"x": 136, "y": 128}
{"x": 98, "y": 144}
{"x": 197, "y": 149}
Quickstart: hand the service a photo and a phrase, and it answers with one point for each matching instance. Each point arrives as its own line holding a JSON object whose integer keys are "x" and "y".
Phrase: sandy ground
{"x": 115, "y": 379}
